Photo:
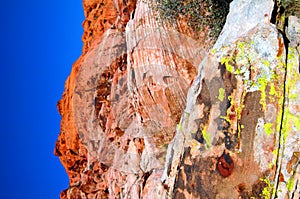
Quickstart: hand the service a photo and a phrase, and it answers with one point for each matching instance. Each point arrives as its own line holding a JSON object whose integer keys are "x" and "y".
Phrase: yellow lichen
{"x": 262, "y": 84}
{"x": 267, "y": 191}
{"x": 268, "y": 128}
{"x": 290, "y": 184}
{"x": 179, "y": 127}
{"x": 206, "y": 137}
{"x": 221, "y": 94}
{"x": 228, "y": 67}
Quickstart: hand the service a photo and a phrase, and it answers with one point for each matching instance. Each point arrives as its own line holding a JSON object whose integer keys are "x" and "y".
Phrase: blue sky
{"x": 40, "y": 40}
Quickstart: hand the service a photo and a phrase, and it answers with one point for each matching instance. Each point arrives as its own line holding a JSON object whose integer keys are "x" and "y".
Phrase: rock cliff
{"x": 184, "y": 99}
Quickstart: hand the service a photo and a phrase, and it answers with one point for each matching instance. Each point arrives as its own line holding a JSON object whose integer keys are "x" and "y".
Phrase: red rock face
{"x": 101, "y": 15}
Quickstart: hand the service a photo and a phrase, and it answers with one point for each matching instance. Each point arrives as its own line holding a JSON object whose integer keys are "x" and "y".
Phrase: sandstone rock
{"x": 151, "y": 112}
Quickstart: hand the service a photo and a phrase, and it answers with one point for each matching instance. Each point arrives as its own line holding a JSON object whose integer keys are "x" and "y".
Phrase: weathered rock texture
{"x": 156, "y": 108}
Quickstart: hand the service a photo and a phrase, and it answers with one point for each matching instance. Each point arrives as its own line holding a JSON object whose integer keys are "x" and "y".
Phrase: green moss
{"x": 221, "y": 94}
{"x": 200, "y": 14}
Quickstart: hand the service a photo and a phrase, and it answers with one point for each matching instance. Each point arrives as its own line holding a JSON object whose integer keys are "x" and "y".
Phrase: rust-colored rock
{"x": 151, "y": 103}
{"x": 101, "y": 15}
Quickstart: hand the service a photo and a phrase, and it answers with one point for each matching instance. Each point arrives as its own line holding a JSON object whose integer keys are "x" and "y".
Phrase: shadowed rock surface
{"x": 156, "y": 108}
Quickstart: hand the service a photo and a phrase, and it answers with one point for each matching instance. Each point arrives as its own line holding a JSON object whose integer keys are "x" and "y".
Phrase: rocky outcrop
{"x": 152, "y": 111}
{"x": 234, "y": 121}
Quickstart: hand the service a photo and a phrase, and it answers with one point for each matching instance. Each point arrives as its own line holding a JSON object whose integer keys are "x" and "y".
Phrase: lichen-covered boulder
{"x": 239, "y": 134}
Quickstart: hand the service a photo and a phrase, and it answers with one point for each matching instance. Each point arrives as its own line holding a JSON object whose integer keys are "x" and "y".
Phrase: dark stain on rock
{"x": 213, "y": 86}
{"x": 203, "y": 98}
{"x": 251, "y": 112}
{"x": 145, "y": 177}
{"x": 227, "y": 140}
{"x": 241, "y": 187}
{"x": 229, "y": 81}
{"x": 196, "y": 179}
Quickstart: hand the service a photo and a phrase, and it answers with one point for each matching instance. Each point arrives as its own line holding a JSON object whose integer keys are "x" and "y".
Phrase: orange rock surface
{"x": 100, "y": 16}
{"x": 155, "y": 108}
